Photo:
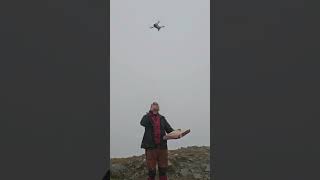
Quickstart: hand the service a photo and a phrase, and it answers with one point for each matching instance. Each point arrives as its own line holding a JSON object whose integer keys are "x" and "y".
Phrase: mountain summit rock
{"x": 187, "y": 163}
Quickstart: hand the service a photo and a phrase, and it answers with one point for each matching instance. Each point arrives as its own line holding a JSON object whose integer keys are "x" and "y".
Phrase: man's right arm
{"x": 144, "y": 121}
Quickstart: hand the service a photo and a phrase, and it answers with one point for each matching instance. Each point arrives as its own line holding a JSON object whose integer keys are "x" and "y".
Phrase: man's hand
{"x": 177, "y": 134}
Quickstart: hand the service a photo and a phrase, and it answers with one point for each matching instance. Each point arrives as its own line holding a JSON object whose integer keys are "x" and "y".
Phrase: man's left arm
{"x": 167, "y": 126}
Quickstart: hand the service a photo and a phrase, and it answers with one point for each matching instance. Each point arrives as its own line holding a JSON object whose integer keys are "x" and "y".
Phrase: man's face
{"x": 155, "y": 108}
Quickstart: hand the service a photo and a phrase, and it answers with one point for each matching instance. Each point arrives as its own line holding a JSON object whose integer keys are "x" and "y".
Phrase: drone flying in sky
{"x": 156, "y": 25}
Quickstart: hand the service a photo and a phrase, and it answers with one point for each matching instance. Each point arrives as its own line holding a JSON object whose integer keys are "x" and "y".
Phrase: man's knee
{"x": 162, "y": 171}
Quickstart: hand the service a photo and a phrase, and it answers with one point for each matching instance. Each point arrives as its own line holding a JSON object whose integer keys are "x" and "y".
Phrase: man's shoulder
{"x": 146, "y": 114}
{"x": 162, "y": 116}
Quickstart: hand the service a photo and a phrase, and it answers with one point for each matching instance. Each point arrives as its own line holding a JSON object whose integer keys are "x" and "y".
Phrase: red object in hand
{"x": 177, "y": 134}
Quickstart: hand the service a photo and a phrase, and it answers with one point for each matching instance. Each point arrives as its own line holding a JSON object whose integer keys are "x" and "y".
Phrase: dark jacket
{"x": 148, "y": 140}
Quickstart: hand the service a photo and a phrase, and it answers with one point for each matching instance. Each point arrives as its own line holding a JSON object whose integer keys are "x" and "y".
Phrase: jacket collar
{"x": 150, "y": 113}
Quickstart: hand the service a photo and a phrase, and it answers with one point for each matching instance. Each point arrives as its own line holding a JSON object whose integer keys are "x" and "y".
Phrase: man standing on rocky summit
{"x": 156, "y": 149}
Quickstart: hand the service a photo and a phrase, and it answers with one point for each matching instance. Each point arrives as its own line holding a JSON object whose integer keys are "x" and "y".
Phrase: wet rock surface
{"x": 189, "y": 163}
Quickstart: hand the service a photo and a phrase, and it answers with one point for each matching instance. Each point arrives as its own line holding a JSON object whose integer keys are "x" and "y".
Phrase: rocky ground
{"x": 190, "y": 163}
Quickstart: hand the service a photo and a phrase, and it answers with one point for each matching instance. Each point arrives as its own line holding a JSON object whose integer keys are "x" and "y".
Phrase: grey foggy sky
{"x": 171, "y": 66}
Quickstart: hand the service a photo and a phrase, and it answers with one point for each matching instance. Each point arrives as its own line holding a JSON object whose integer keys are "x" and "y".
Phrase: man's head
{"x": 154, "y": 107}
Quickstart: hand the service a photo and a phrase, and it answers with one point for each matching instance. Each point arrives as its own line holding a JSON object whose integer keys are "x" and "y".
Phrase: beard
{"x": 155, "y": 110}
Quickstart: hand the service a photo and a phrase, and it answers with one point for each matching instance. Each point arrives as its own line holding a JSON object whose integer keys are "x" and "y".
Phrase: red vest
{"x": 156, "y": 127}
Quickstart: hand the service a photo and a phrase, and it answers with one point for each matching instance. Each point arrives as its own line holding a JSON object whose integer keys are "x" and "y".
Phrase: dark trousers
{"x": 157, "y": 156}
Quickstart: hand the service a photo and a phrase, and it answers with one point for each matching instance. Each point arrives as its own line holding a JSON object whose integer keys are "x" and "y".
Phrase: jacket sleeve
{"x": 167, "y": 126}
{"x": 144, "y": 121}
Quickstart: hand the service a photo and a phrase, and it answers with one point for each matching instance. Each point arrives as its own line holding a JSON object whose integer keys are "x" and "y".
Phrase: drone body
{"x": 157, "y": 26}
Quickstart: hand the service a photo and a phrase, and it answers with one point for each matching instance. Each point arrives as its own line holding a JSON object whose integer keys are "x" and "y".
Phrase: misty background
{"x": 171, "y": 66}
